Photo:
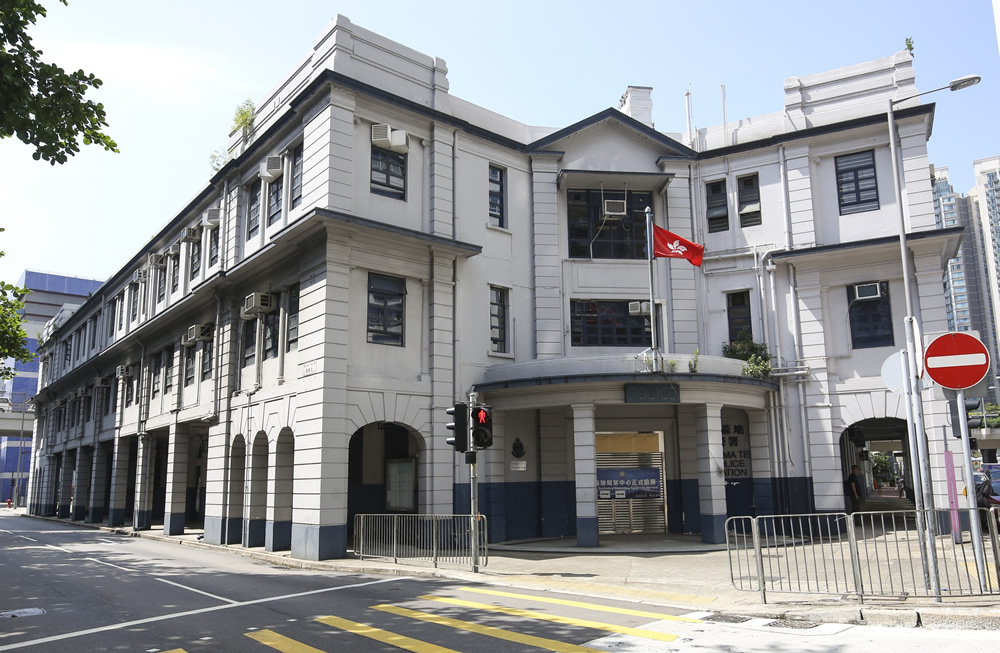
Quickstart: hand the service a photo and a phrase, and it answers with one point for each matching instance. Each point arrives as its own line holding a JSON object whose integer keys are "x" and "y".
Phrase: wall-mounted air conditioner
{"x": 638, "y": 308}
{"x": 259, "y": 302}
{"x": 123, "y": 371}
{"x": 175, "y": 249}
{"x": 615, "y": 208}
{"x": 867, "y": 291}
{"x": 387, "y": 138}
{"x": 212, "y": 217}
{"x": 200, "y": 332}
{"x": 191, "y": 234}
{"x": 186, "y": 340}
{"x": 139, "y": 276}
{"x": 270, "y": 168}
{"x": 156, "y": 261}
{"x": 102, "y": 382}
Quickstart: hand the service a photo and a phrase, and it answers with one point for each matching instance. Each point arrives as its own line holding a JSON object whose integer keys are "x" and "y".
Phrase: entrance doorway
{"x": 630, "y": 483}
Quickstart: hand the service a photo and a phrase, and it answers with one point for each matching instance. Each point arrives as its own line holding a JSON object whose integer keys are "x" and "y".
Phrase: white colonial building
{"x": 279, "y": 357}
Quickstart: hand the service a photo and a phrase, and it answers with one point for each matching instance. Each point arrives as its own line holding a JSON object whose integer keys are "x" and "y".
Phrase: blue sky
{"x": 175, "y": 71}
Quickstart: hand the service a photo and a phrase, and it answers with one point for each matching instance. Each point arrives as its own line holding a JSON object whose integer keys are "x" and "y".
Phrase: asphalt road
{"x": 67, "y": 588}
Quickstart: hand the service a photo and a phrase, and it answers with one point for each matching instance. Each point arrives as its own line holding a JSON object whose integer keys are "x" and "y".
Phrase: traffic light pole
{"x": 974, "y": 528}
{"x": 470, "y": 457}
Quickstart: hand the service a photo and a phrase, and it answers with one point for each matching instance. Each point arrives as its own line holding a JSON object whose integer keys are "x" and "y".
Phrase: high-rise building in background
{"x": 985, "y": 196}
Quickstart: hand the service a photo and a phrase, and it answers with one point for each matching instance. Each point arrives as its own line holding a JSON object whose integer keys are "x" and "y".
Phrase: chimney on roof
{"x": 637, "y": 102}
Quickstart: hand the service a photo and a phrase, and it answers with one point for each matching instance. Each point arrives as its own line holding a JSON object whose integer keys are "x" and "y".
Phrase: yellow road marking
{"x": 991, "y": 572}
{"x": 581, "y": 604}
{"x": 280, "y": 642}
{"x": 384, "y": 636}
{"x": 175, "y": 650}
{"x": 566, "y": 621}
{"x": 489, "y": 631}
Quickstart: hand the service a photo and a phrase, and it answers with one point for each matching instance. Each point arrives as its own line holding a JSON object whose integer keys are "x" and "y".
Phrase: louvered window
{"x": 857, "y": 187}
{"x": 717, "y": 206}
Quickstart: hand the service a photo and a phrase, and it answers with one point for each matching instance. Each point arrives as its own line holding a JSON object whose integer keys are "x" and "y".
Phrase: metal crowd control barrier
{"x": 433, "y": 539}
{"x": 867, "y": 554}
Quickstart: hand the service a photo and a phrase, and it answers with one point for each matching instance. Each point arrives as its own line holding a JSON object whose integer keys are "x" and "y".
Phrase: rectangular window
{"x": 175, "y": 272}
{"x": 213, "y": 246}
{"x": 161, "y": 283}
{"x": 129, "y": 391}
{"x": 595, "y": 323}
{"x": 94, "y": 322}
{"x": 109, "y": 316}
{"x": 168, "y": 369}
{"x": 271, "y": 323}
{"x": 275, "y": 193}
{"x": 206, "y": 360}
{"x": 498, "y": 319}
{"x": 386, "y": 308}
{"x": 738, "y": 315}
{"x": 857, "y": 189}
{"x": 249, "y": 342}
{"x": 67, "y": 353}
{"x": 155, "y": 370}
{"x": 871, "y": 317}
{"x": 194, "y": 249}
{"x": 296, "y": 176}
{"x": 749, "y": 204}
{"x": 88, "y": 407}
{"x": 188, "y": 366}
{"x": 253, "y": 209}
{"x": 607, "y": 224}
{"x": 110, "y": 397}
{"x": 497, "y": 218}
{"x": 133, "y": 301}
{"x": 388, "y": 173}
{"x": 717, "y": 206}
{"x": 121, "y": 311}
{"x": 293, "y": 318}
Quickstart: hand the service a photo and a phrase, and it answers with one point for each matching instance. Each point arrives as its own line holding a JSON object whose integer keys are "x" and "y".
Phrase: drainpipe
{"x": 803, "y": 421}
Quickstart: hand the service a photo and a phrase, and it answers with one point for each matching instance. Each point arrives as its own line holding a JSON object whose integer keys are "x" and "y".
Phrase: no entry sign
{"x": 956, "y": 360}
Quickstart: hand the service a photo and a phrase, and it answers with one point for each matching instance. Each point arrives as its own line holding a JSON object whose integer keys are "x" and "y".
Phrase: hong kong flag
{"x": 668, "y": 245}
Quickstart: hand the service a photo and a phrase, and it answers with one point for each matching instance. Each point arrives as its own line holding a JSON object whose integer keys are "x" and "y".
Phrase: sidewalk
{"x": 674, "y": 571}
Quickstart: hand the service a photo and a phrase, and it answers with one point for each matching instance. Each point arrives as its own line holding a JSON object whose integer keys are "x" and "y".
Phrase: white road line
{"x": 191, "y": 589}
{"x": 30, "y": 539}
{"x": 57, "y": 548}
{"x": 101, "y": 562}
{"x": 188, "y": 613}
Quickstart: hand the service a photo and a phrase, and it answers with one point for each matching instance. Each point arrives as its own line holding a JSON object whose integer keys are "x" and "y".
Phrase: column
{"x": 81, "y": 495}
{"x": 711, "y": 474}
{"x": 142, "y": 519}
{"x": 119, "y": 481}
{"x": 585, "y": 460}
{"x": 491, "y": 492}
{"x": 96, "y": 510}
{"x": 254, "y": 534}
{"x": 175, "y": 508}
{"x": 66, "y": 469}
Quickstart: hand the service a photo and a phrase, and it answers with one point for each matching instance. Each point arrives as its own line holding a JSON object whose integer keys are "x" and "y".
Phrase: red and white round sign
{"x": 957, "y": 360}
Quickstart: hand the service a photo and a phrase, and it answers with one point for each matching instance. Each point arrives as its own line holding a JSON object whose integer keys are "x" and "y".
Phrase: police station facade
{"x": 279, "y": 357}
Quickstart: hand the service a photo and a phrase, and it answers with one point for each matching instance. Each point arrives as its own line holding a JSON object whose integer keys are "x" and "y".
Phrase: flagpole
{"x": 652, "y": 303}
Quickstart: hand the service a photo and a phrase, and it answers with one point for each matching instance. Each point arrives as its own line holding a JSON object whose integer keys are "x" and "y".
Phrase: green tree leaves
{"x": 40, "y": 103}
{"x": 13, "y": 339}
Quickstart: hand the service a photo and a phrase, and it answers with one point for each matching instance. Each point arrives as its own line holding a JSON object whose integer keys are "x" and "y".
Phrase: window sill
{"x": 503, "y": 230}
{"x": 500, "y": 354}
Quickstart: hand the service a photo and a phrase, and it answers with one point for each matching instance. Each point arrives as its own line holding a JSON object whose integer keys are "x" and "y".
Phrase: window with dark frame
{"x": 155, "y": 371}
{"x": 194, "y": 251}
{"x": 594, "y": 234}
{"x": 296, "y": 177}
{"x": 213, "y": 246}
{"x": 386, "y": 309}
{"x": 133, "y": 301}
{"x": 871, "y": 318}
{"x": 206, "y": 360}
{"x": 497, "y": 184}
{"x": 161, "y": 283}
{"x": 189, "y": 355}
{"x": 738, "y": 314}
{"x": 857, "y": 186}
{"x": 717, "y": 211}
{"x": 271, "y": 322}
{"x": 275, "y": 193}
{"x": 388, "y": 176}
{"x": 249, "y": 342}
{"x": 498, "y": 319}
{"x": 597, "y": 323}
{"x": 129, "y": 391}
{"x": 88, "y": 406}
{"x": 292, "y": 337}
{"x": 749, "y": 200}
{"x": 168, "y": 369}
{"x": 175, "y": 272}
{"x": 253, "y": 209}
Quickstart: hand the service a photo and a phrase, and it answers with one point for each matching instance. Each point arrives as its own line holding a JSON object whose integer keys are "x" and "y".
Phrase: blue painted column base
{"x": 278, "y": 536}
{"x": 79, "y": 513}
{"x": 587, "y": 532}
{"x": 713, "y": 529}
{"x": 95, "y": 515}
{"x": 116, "y": 517}
{"x": 312, "y": 542}
{"x": 255, "y": 533}
{"x": 63, "y": 511}
{"x": 173, "y": 523}
{"x": 143, "y": 520}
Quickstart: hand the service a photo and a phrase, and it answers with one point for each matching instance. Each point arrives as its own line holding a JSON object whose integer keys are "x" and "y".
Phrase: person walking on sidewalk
{"x": 852, "y": 488}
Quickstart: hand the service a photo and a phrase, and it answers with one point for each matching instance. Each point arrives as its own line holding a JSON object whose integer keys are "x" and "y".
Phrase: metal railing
{"x": 428, "y": 539}
{"x": 867, "y": 554}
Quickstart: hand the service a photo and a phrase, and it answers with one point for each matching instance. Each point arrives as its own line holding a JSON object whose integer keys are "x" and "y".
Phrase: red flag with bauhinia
{"x": 669, "y": 245}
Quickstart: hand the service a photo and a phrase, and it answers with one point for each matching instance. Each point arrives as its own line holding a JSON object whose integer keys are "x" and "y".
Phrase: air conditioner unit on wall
{"x": 259, "y": 302}
{"x": 212, "y": 217}
{"x": 175, "y": 249}
{"x": 186, "y": 340}
{"x": 102, "y": 382}
{"x": 615, "y": 207}
{"x": 867, "y": 291}
{"x": 387, "y": 138}
{"x": 155, "y": 261}
{"x": 270, "y": 168}
{"x": 201, "y": 332}
{"x": 139, "y": 276}
{"x": 191, "y": 234}
{"x": 123, "y": 371}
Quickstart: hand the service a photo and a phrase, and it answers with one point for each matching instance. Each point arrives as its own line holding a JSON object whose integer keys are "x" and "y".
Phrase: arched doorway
{"x": 279, "y": 529}
{"x": 382, "y": 471}
{"x": 257, "y": 504}
{"x": 237, "y": 476}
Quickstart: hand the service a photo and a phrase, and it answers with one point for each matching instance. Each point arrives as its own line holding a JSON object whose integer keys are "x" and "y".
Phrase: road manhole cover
{"x": 726, "y": 618}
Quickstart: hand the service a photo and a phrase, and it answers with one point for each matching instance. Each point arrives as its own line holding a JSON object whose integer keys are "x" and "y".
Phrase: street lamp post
{"x": 915, "y": 425}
